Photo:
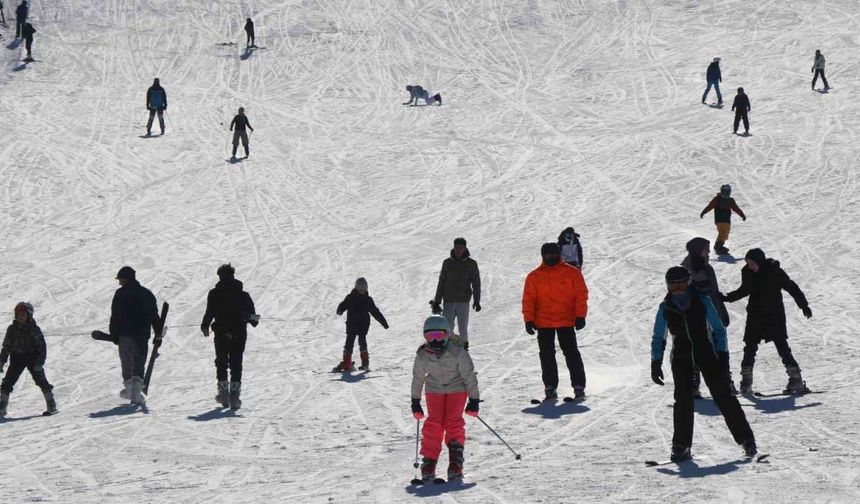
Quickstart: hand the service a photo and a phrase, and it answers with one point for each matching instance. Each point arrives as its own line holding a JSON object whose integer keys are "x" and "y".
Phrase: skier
{"x": 232, "y": 309}
{"x": 458, "y": 280}
{"x": 240, "y": 121}
{"x": 555, "y": 301}
{"x": 763, "y": 281}
{"x": 156, "y": 103}
{"x": 133, "y": 313}
{"x": 359, "y": 306}
{"x": 21, "y": 13}
{"x": 27, "y": 33}
{"x": 249, "y": 32}
{"x": 723, "y": 205}
{"x": 416, "y": 92}
{"x": 25, "y": 344}
{"x": 714, "y": 78}
{"x": 741, "y": 107}
{"x": 571, "y": 249}
{"x": 449, "y": 375}
{"x": 818, "y": 69}
{"x": 688, "y": 314}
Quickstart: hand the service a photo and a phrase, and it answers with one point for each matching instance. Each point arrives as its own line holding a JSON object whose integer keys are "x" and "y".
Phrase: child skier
{"x": 570, "y": 248}
{"x": 25, "y": 344}
{"x": 417, "y": 92}
{"x": 359, "y": 306}
{"x": 741, "y": 107}
{"x": 723, "y": 205}
{"x": 450, "y": 378}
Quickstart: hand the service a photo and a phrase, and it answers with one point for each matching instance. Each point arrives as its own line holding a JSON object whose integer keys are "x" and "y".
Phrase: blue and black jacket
{"x": 696, "y": 332}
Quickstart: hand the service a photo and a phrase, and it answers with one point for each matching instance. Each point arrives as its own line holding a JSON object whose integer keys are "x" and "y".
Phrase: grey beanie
{"x": 361, "y": 283}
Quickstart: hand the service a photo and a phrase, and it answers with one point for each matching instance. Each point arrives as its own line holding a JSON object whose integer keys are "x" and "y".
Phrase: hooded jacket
{"x": 555, "y": 296}
{"x": 703, "y": 276}
{"x": 133, "y": 311}
{"x": 229, "y": 306}
{"x": 451, "y": 371}
{"x": 741, "y": 103}
{"x": 459, "y": 280}
{"x": 697, "y": 332}
{"x": 359, "y": 307}
{"x": 24, "y": 339}
{"x": 571, "y": 251}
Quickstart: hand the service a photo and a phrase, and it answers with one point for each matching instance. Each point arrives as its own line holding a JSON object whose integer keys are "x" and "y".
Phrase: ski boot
{"x": 578, "y": 393}
{"x": 719, "y": 247}
{"x": 223, "y": 397}
{"x": 345, "y": 365}
{"x": 680, "y": 453}
{"x": 365, "y": 362}
{"x": 746, "y": 380}
{"x": 50, "y": 403}
{"x": 137, "y": 396}
{"x": 235, "y": 391}
{"x": 4, "y": 404}
{"x": 125, "y": 393}
{"x": 550, "y": 394}
{"x": 455, "y": 461}
{"x": 428, "y": 469}
{"x": 749, "y": 447}
{"x": 796, "y": 385}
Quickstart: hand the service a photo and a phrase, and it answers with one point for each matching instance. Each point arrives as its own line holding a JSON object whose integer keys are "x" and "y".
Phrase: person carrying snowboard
{"x": 446, "y": 372}
{"x": 458, "y": 280}
{"x": 714, "y": 77}
{"x": 249, "y": 33}
{"x": 698, "y": 340}
{"x": 240, "y": 133}
{"x": 24, "y": 347}
{"x": 763, "y": 280}
{"x": 417, "y": 92}
{"x": 133, "y": 313}
{"x": 156, "y": 103}
{"x": 570, "y": 248}
{"x": 555, "y": 301}
{"x": 229, "y": 310}
{"x": 21, "y": 13}
{"x": 818, "y": 69}
{"x": 359, "y": 306}
{"x": 723, "y": 205}
{"x": 741, "y": 107}
{"x": 27, "y": 33}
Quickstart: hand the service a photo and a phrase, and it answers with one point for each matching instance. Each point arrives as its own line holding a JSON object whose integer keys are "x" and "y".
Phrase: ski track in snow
{"x": 581, "y": 113}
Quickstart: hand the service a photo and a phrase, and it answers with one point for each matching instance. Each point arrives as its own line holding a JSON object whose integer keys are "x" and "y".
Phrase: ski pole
{"x": 516, "y": 455}
{"x": 417, "y": 435}
{"x": 169, "y": 120}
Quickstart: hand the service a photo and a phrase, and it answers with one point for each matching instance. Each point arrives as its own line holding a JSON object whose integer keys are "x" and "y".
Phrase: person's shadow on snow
{"x": 435, "y": 490}
{"x": 123, "y": 409}
{"x": 728, "y": 259}
{"x": 17, "y": 419}
{"x": 691, "y": 469}
{"x": 214, "y": 414}
{"x": 14, "y": 44}
{"x": 779, "y": 404}
{"x": 554, "y": 410}
{"x": 247, "y": 54}
{"x": 353, "y": 377}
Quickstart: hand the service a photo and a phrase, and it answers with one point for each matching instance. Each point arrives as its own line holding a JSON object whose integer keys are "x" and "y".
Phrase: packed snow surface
{"x": 556, "y": 113}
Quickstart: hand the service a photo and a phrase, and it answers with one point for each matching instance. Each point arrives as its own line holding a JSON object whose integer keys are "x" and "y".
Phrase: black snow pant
{"x": 18, "y": 362}
{"x": 718, "y": 384}
{"x": 549, "y": 368}
{"x": 240, "y": 135}
{"x": 28, "y": 45}
{"x": 350, "y": 343}
{"x": 229, "y": 351}
{"x": 250, "y": 39}
{"x": 132, "y": 356}
{"x": 742, "y": 115}
{"x": 781, "y": 344}
{"x": 152, "y": 113}
{"x": 819, "y": 71}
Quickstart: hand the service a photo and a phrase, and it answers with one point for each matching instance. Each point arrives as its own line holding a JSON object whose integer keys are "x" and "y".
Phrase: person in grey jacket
{"x": 818, "y": 69}
{"x": 458, "y": 281}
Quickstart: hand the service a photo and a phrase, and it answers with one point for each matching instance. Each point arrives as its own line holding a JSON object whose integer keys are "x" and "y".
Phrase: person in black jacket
{"x": 570, "y": 248}
{"x": 156, "y": 103}
{"x": 359, "y": 306}
{"x": 231, "y": 309}
{"x": 241, "y": 125}
{"x": 27, "y": 33}
{"x": 741, "y": 107}
{"x": 21, "y": 13}
{"x": 249, "y": 32}
{"x": 723, "y": 205}
{"x": 133, "y": 314}
{"x": 25, "y": 344}
{"x": 763, "y": 281}
{"x": 714, "y": 78}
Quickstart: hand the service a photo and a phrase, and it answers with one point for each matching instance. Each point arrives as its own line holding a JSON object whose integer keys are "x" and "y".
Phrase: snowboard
{"x": 160, "y": 331}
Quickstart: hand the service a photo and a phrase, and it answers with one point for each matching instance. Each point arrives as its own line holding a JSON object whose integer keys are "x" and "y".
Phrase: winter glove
{"x": 530, "y": 327}
{"x": 702, "y": 215}
{"x": 580, "y": 323}
{"x": 417, "y": 412}
{"x": 744, "y": 218}
{"x": 435, "y": 308}
{"x": 477, "y": 307}
{"x": 472, "y": 407}
{"x": 385, "y": 325}
{"x": 204, "y": 330}
{"x": 807, "y": 312}
{"x": 723, "y": 297}
{"x": 657, "y": 372}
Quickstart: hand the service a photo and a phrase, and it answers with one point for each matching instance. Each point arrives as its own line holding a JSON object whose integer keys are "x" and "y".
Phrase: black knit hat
{"x": 757, "y": 256}
{"x": 226, "y": 271}
{"x": 460, "y": 241}
{"x": 677, "y": 274}
{"x": 697, "y": 245}
{"x": 125, "y": 273}
{"x": 548, "y": 249}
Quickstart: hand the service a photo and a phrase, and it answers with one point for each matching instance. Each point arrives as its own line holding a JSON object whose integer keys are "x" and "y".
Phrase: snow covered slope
{"x": 556, "y": 113}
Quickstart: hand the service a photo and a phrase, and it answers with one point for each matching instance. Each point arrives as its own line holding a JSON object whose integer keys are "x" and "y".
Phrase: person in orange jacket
{"x": 555, "y": 301}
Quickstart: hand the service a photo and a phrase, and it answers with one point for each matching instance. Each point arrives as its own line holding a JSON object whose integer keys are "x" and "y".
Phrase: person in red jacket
{"x": 555, "y": 301}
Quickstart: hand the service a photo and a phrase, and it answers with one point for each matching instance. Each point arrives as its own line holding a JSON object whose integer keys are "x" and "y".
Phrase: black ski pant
{"x": 572, "y": 357}
{"x": 350, "y": 343}
{"x": 18, "y": 362}
{"x": 819, "y": 71}
{"x": 28, "y": 45}
{"x": 249, "y": 39}
{"x": 742, "y": 115}
{"x": 229, "y": 351}
{"x": 718, "y": 383}
{"x": 240, "y": 135}
{"x": 132, "y": 356}
{"x": 152, "y": 113}
{"x": 781, "y": 344}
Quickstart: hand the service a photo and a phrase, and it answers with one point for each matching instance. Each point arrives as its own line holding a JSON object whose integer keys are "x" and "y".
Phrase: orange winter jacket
{"x": 555, "y": 296}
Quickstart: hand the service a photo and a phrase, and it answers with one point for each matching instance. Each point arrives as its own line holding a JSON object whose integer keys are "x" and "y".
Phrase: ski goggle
{"x": 436, "y": 335}
{"x": 677, "y": 286}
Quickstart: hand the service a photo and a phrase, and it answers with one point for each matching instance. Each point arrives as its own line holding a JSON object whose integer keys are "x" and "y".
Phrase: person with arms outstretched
{"x": 723, "y": 205}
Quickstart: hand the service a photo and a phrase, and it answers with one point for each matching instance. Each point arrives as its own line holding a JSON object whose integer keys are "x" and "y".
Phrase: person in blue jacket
{"x": 698, "y": 340}
{"x": 156, "y": 103}
{"x": 714, "y": 78}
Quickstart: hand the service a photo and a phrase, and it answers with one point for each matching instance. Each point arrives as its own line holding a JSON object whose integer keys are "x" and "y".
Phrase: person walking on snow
{"x": 723, "y": 205}
{"x": 763, "y": 280}
{"x": 818, "y": 69}
{"x": 741, "y": 107}
{"x": 698, "y": 340}
{"x": 27, "y": 33}
{"x": 555, "y": 301}
{"x": 156, "y": 103}
{"x": 249, "y": 33}
{"x": 417, "y": 92}
{"x": 133, "y": 313}
{"x": 458, "y": 280}
{"x": 240, "y": 133}
{"x": 24, "y": 346}
{"x": 359, "y": 307}
{"x": 446, "y": 372}
{"x": 714, "y": 77}
{"x": 21, "y": 13}
{"x": 570, "y": 248}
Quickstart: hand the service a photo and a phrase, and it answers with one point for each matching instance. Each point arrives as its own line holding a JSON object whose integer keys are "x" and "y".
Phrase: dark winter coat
{"x": 24, "y": 339}
{"x": 765, "y": 309}
{"x": 459, "y": 280}
{"x": 230, "y": 307}
{"x": 571, "y": 251}
{"x": 359, "y": 307}
{"x": 714, "y": 74}
{"x": 21, "y": 12}
{"x": 723, "y": 208}
{"x": 705, "y": 281}
{"x": 240, "y": 122}
{"x": 27, "y": 32}
{"x": 697, "y": 332}
{"x": 133, "y": 311}
{"x": 249, "y": 28}
{"x": 156, "y": 98}
{"x": 741, "y": 103}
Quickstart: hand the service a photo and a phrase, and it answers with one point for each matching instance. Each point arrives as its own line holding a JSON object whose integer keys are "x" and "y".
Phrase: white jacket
{"x": 453, "y": 371}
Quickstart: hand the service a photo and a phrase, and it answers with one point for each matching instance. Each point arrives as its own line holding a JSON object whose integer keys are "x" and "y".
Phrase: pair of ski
{"x": 785, "y": 393}
{"x": 435, "y": 481}
{"x": 656, "y": 463}
{"x": 566, "y": 399}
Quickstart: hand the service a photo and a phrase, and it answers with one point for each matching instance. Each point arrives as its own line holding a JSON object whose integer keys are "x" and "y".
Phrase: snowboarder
{"x": 21, "y": 13}
{"x": 714, "y": 77}
{"x": 133, "y": 313}
{"x": 741, "y": 107}
{"x": 818, "y": 69}
{"x": 25, "y": 345}
{"x": 723, "y": 205}
{"x": 417, "y": 92}
{"x": 359, "y": 306}
{"x": 687, "y": 314}
{"x": 458, "y": 280}
{"x": 570, "y": 248}
{"x": 232, "y": 309}
{"x": 555, "y": 301}
{"x": 156, "y": 103}
{"x": 27, "y": 34}
{"x": 249, "y": 32}
{"x": 241, "y": 123}
{"x": 449, "y": 375}
{"x": 763, "y": 281}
